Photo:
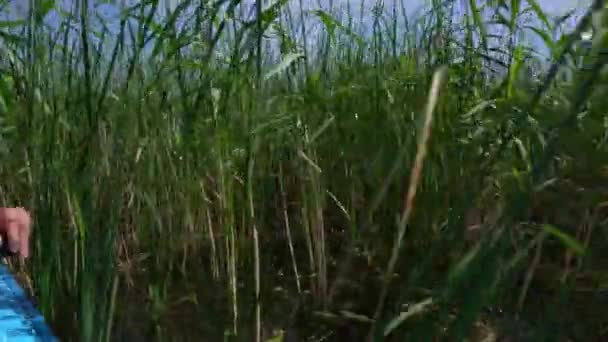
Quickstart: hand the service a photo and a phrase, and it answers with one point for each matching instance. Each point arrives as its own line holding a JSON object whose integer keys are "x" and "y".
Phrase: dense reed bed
{"x": 232, "y": 170}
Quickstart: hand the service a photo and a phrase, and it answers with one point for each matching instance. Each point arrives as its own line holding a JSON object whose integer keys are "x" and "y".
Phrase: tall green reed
{"x": 163, "y": 166}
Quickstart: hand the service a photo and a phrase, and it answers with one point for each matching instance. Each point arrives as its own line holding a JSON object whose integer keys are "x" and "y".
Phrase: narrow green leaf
{"x": 569, "y": 241}
{"x": 483, "y": 32}
{"x": 11, "y": 23}
{"x": 332, "y": 23}
{"x": 515, "y": 6}
{"x": 11, "y": 38}
{"x": 284, "y": 64}
{"x": 540, "y": 13}
{"x": 544, "y": 35}
{"x": 518, "y": 59}
{"x": 329, "y": 21}
{"x": 3, "y": 106}
{"x": 45, "y": 7}
{"x": 322, "y": 129}
{"x": 478, "y": 108}
{"x": 413, "y": 310}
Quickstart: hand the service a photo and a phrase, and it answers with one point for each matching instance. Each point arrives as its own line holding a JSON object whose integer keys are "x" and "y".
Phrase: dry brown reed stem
{"x": 438, "y": 78}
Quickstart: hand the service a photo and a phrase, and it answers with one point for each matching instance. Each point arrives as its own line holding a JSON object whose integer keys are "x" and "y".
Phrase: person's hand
{"x": 15, "y": 225}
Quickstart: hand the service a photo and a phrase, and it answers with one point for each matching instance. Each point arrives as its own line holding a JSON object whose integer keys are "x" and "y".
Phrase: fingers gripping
{"x": 24, "y": 235}
{"x": 16, "y": 228}
{"x": 12, "y": 232}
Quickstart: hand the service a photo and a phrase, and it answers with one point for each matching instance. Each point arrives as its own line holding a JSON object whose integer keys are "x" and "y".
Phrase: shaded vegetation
{"x": 224, "y": 171}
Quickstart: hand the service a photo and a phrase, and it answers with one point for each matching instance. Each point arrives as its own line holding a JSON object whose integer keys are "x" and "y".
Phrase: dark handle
{"x": 4, "y": 249}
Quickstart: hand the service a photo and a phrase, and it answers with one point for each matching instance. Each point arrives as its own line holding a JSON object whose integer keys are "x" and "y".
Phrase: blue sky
{"x": 555, "y": 7}
{"x": 110, "y": 13}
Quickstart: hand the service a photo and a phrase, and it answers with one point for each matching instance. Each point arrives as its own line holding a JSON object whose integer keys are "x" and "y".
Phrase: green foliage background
{"x": 190, "y": 185}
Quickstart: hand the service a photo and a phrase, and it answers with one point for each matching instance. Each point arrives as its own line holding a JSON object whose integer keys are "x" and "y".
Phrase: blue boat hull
{"x": 20, "y": 321}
